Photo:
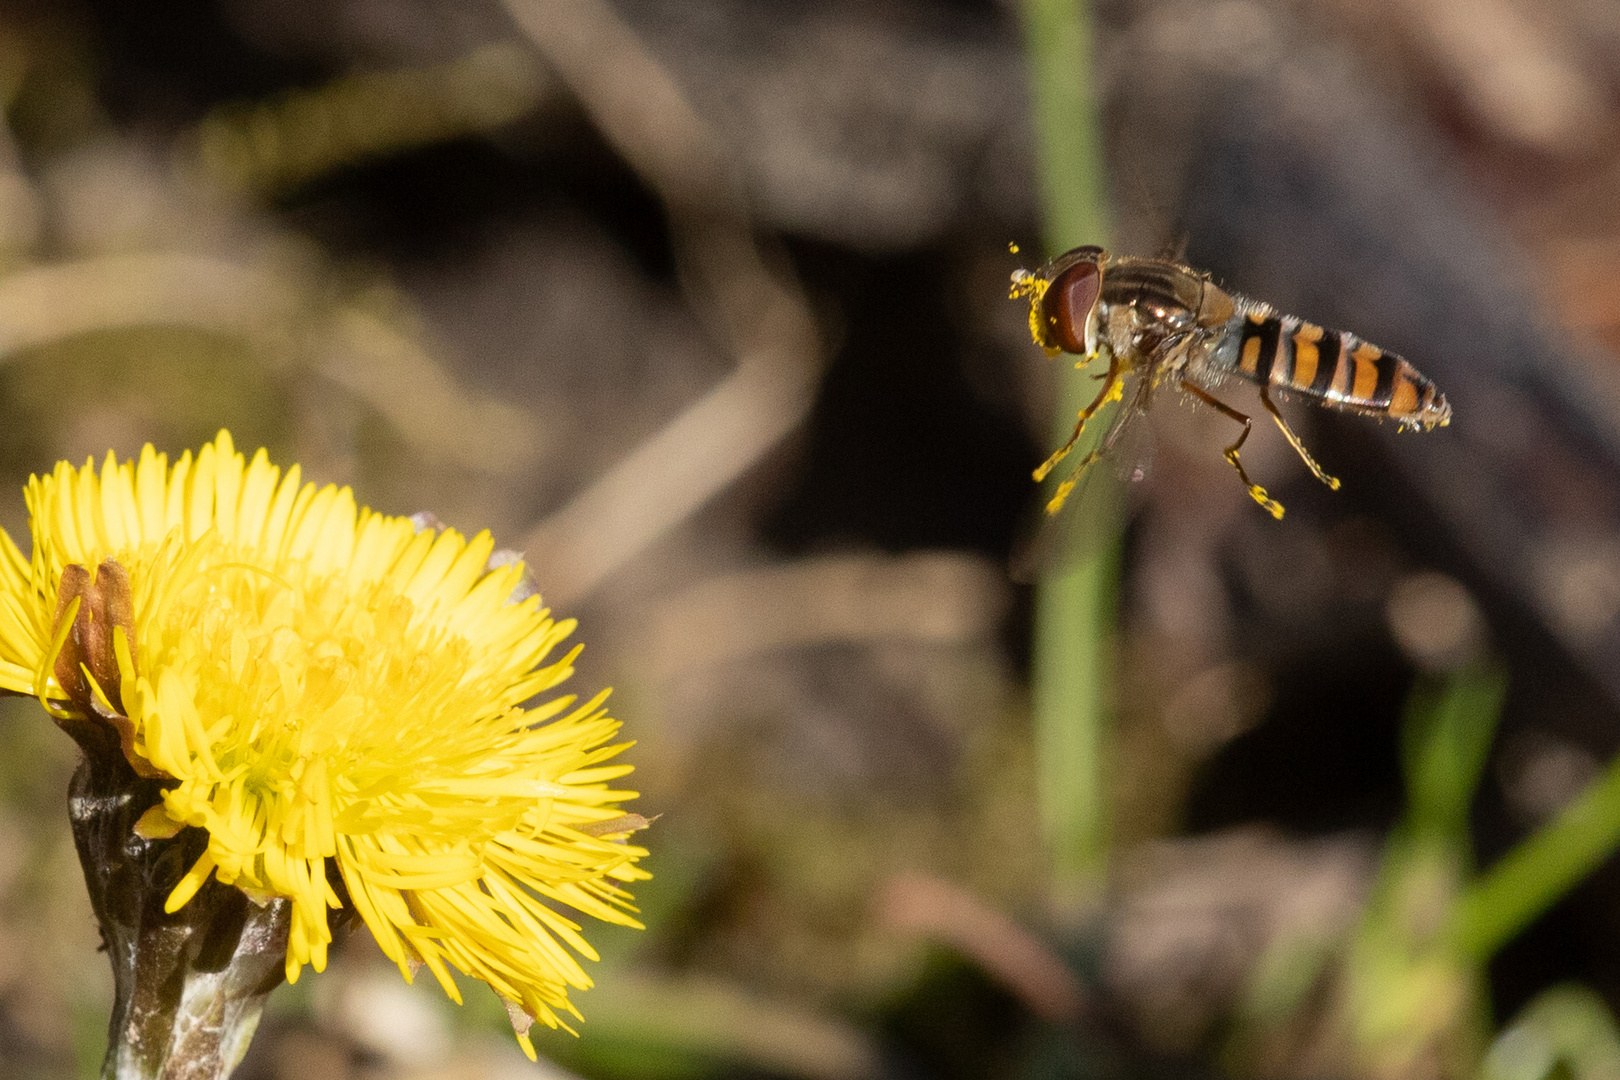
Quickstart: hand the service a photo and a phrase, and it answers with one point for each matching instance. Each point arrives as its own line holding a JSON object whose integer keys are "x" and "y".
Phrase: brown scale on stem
{"x": 86, "y": 667}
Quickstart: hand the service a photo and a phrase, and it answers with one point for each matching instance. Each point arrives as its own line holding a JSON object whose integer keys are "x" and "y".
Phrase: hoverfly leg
{"x": 1256, "y": 492}
{"x": 1059, "y": 497}
{"x": 1112, "y": 388}
{"x": 1293, "y": 440}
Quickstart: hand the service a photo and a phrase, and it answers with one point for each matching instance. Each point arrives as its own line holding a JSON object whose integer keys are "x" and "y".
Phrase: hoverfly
{"x": 1163, "y": 321}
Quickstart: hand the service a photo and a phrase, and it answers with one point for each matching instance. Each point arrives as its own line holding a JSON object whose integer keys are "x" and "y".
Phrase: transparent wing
{"x": 1095, "y": 509}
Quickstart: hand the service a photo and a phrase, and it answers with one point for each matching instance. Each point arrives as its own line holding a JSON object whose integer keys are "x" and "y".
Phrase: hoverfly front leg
{"x": 1256, "y": 492}
{"x": 1293, "y": 440}
{"x": 1113, "y": 388}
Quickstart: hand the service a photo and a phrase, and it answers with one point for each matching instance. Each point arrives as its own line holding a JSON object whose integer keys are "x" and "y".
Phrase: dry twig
{"x": 762, "y": 317}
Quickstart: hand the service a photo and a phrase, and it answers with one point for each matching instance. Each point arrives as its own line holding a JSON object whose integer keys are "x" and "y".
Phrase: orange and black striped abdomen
{"x": 1329, "y": 366}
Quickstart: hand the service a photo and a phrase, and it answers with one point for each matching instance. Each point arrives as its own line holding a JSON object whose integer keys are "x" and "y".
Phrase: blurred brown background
{"x": 701, "y": 304}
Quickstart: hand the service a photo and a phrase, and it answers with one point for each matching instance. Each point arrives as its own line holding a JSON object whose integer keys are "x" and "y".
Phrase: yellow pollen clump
{"x": 338, "y": 698}
{"x": 1034, "y": 286}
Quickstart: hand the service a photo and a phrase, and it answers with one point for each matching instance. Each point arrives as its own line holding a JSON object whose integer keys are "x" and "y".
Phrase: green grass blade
{"x": 1534, "y": 875}
{"x": 1446, "y": 738}
{"x": 1073, "y": 622}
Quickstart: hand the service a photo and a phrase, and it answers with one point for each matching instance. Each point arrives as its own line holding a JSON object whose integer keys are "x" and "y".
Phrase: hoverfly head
{"x": 1068, "y": 307}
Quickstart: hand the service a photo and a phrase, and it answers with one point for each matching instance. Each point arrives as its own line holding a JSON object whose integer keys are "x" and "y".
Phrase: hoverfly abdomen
{"x": 1334, "y": 368}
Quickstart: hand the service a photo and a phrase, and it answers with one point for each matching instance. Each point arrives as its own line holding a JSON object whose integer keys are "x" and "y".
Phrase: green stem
{"x": 1072, "y": 629}
{"x": 1068, "y": 147}
{"x": 1541, "y": 869}
{"x": 1073, "y": 610}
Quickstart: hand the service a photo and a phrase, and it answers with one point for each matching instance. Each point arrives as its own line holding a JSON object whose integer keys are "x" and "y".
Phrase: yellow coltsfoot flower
{"x": 338, "y": 698}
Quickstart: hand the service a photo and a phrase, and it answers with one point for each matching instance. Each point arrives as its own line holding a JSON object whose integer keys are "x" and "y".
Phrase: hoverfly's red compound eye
{"x": 1068, "y": 303}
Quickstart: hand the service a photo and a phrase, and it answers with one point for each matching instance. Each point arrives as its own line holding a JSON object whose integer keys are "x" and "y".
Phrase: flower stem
{"x": 1073, "y": 622}
{"x": 189, "y": 986}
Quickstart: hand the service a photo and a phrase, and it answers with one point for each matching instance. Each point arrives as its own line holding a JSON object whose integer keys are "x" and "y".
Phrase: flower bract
{"x": 355, "y": 709}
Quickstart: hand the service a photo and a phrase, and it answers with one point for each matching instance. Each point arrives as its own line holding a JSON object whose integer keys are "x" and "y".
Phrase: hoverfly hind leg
{"x": 1293, "y": 440}
{"x": 1113, "y": 388}
{"x": 1256, "y": 492}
